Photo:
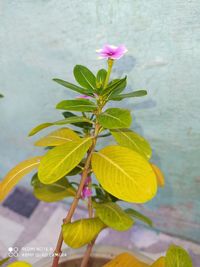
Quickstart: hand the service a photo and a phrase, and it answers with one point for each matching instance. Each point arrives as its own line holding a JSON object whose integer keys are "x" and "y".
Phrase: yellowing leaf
{"x": 81, "y": 232}
{"x": 159, "y": 263}
{"x": 125, "y": 174}
{"x": 52, "y": 192}
{"x": 159, "y": 175}
{"x": 125, "y": 260}
{"x": 19, "y": 264}
{"x": 177, "y": 257}
{"x": 113, "y": 216}
{"x": 58, "y": 137}
{"x": 62, "y": 159}
{"x": 15, "y": 175}
{"x": 132, "y": 140}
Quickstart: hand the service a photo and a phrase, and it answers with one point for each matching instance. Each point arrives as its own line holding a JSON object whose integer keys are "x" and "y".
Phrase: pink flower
{"x": 83, "y": 97}
{"x": 87, "y": 192}
{"x": 112, "y": 52}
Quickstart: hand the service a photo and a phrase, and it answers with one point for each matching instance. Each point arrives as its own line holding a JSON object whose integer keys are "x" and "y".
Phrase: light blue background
{"x": 43, "y": 39}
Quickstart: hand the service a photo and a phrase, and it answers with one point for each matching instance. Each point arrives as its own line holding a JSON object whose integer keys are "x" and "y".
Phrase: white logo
{"x": 13, "y": 252}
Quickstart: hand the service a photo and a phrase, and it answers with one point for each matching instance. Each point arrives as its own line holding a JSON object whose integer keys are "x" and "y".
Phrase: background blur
{"x": 43, "y": 39}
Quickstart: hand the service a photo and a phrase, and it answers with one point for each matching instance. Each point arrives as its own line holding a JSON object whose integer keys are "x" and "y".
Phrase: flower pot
{"x": 100, "y": 256}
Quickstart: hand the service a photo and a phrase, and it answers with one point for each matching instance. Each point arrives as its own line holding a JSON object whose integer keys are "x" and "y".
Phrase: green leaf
{"x": 62, "y": 159}
{"x": 132, "y": 140}
{"x": 58, "y": 137}
{"x": 16, "y": 174}
{"x": 114, "y": 86}
{"x": 68, "y": 114}
{"x": 52, "y": 192}
{"x": 114, "y": 118}
{"x": 119, "y": 88}
{"x": 83, "y": 105}
{"x": 101, "y": 77}
{"x": 132, "y": 94}
{"x": 73, "y": 87}
{"x": 20, "y": 264}
{"x": 113, "y": 216}
{"x": 81, "y": 232}
{"x": 1, "y": 95}
{"x": 137, "y": 215}
{"x": 70, "y": 120}
{"x": 177, "y": 257}
{"x": 125, "y": 174}
{"x": 85, "y": 77}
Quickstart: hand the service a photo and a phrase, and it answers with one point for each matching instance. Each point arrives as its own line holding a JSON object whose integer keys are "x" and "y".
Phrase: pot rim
{"x": 100, "y": 251}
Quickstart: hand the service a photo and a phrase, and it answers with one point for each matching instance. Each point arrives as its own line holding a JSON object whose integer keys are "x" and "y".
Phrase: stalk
{"x": 90, "y": 246}
{"x": 74, "y": 204}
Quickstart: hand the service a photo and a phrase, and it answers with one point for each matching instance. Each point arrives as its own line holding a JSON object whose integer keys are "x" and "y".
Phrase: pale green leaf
{"x": 83, "y": 105}
{"x": 137, "y": 215}
{"x": 113, "y": 216}
{"x": 85, "y": 77}
{"x": 132, "y": 140}
{"x": 177, "y": 257}
{"x": 114, "y": 118}
{"x": 16, "y": 174}
{"x": 62, "y": 159}
{"x": 52, "y": 192}
{"x": 125, "y": 174}
{"x": 58, "y": 137}
{"x": 81, "y": 232}
{"x": 69, "y": 120}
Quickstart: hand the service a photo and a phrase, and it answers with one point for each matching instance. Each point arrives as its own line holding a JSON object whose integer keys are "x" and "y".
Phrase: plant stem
{"x": 110, "y": 64}
{"x": 90, "y": 245}
{"x": 87, "y": 253}
{"x": 89, "y": 248}
{"x": 74, "y": 204}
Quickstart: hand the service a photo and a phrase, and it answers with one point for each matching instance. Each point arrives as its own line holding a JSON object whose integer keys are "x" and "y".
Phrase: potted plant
{"x": 124, "y": 171}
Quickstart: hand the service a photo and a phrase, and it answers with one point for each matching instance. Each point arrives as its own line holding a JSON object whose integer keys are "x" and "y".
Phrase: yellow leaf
{"x": 159, "y": 175}
{"x": 125, "y": 260}
{"x": 81, "y": 232}
{"x": 62, "y": 159}
{"x": 58, "y": 137}
{"x": 15, "y": 175}
{"x": 19, "y": 264}
{"x": 159, "y": 263}
{"x": 125, "y": 174}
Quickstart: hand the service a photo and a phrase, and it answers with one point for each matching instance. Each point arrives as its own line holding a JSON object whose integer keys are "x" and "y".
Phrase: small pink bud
{"x": 83, "y": 97}
{"x": 87, "y": 192}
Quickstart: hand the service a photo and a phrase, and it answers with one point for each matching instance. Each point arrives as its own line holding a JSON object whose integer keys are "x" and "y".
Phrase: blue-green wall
{"x": 43, "y": 39}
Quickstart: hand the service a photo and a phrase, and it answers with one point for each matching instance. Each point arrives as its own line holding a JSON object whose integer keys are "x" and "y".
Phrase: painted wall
{"x": 43, "y": 39}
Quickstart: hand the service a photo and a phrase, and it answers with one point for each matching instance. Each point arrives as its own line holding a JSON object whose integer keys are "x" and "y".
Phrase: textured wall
{"x": 45, "y": 38}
